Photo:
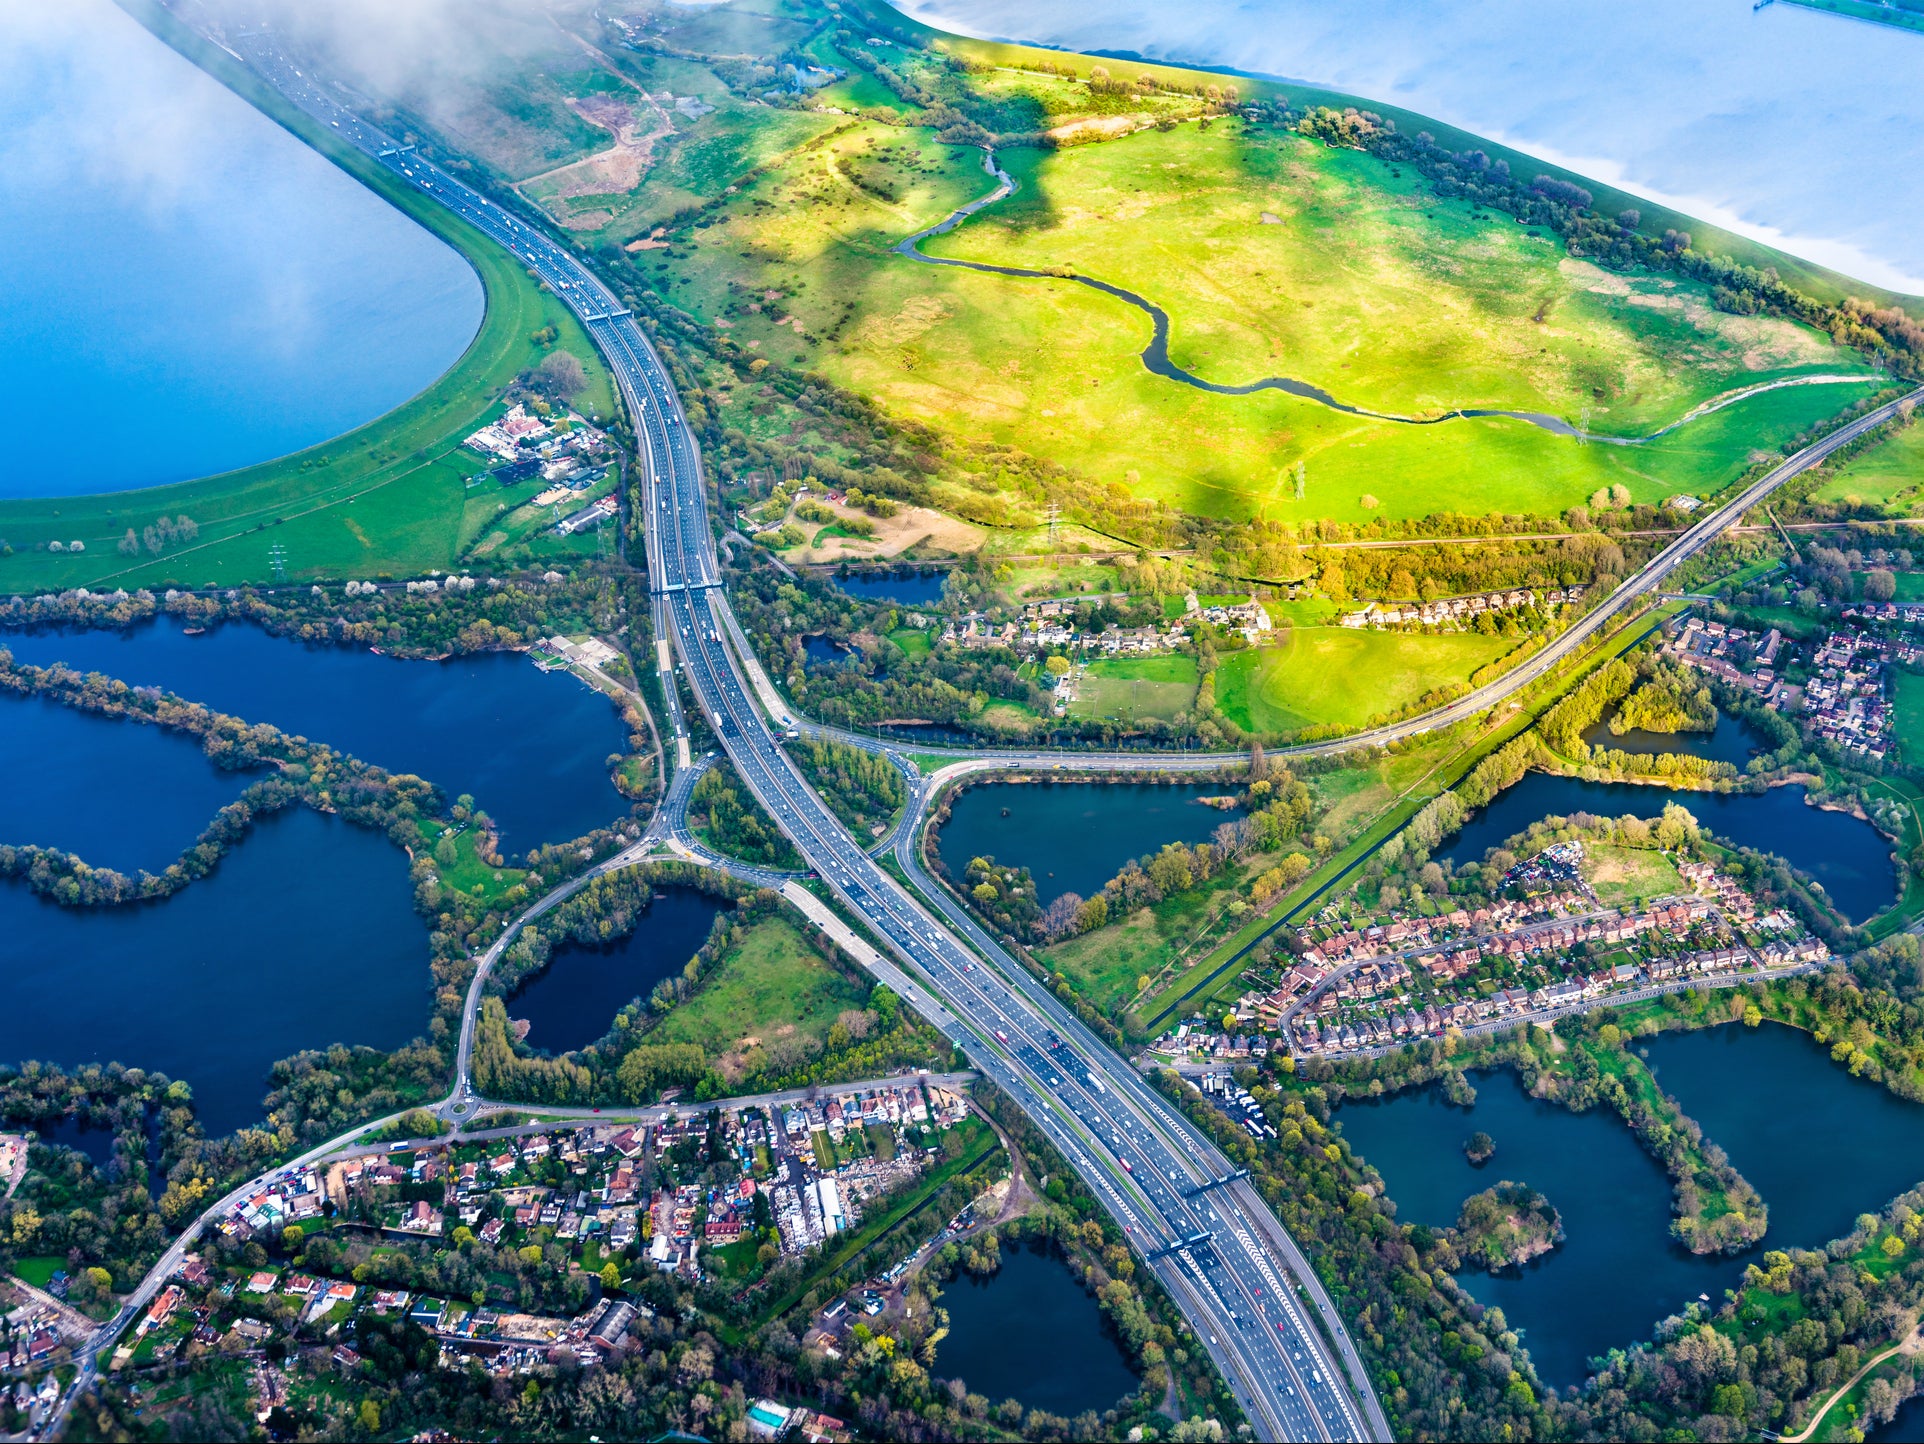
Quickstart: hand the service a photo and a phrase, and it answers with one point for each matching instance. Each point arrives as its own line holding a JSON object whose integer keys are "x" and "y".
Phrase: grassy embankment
{"x": 389, "y": 498}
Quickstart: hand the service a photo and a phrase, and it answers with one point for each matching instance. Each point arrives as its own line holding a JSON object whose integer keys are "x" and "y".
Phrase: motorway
{"x": 1217, "y": 1248}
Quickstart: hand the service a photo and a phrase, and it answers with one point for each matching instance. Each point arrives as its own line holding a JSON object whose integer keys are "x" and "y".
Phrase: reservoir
{"x": 1844, "y": 853}
{"x": 532, "y": 747}
{"x": 123, "y": 795}
{"x": 1074, "y": 1361}
{"x": 303, "y": 937}
{"x": 190, "y": 289}
{"x": 573, "y": 1001}
{"x": 1074, "y": 837}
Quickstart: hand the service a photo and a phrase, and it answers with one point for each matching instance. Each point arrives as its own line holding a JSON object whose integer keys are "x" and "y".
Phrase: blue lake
{"x": 1075, "y": 1361}
{"x": 1074, "y": 837}
{"x": 911, "y": 589}
{"x": 304, "y": 936}
{"x": 1729, "y": 741}
{"x": 530, "y": 746}
{"x": 573, "y": 1000}
{"x": 1820, "y": 1146}
{"x": 190, "y": 288}
{"x": 824, "y": 651}
{"x": 1844, "y": 853}
{"x": 119, "y": 794}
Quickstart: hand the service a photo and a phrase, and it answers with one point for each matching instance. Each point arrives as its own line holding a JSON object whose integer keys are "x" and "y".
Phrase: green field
{"x": 1128, "y": 688}
{"x": 1907, "y": 700}
{"x": 1888, "y": 474}
{"x": 39, "y": 1270}
{"x": 912, "y": 642}
{"x": 1342, "y": 676}
{"x": 1106, "y": 965}
{"x": 1624, "y": 877}
{"x": 1370, "y": 288}
{"x": 773, "y": 985}
{"x": 387, "y": 499}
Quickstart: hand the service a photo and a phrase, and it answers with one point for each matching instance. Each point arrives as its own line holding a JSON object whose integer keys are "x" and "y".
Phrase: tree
{"x": 610, "y": 1276}
{"x": 1879, "y": 586}
{"x": 370, "y": 1415}
{"x": 130, "y": 544}
{"x": 1058, "y": 666}
{"x": 560, "y": 376}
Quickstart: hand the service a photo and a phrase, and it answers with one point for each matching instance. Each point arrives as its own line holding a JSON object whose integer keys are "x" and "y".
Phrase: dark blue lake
{"x": 825, "y": 651}
{"x": 190, "y": 288}
{"x": 1074, "y": 837}
{"x": 911, "y": 589}
{"x": 1072, "y": 1360}
{"x": 531, "y": 746}
{"x": 1844, "y": 853}
{"x": 1820, "y": 1146}
{"x": 1729, "y": 741}
{"x": 573, "y": 1000}
{"x": 95, "y": 1141}
{"x": 304, "y": 936}
{"x": 119, "y": 794}
{"x": 1618, "y": 1270}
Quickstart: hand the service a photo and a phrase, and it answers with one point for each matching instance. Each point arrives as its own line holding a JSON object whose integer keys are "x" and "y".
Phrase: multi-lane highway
{"x": 1216, "y": 1247}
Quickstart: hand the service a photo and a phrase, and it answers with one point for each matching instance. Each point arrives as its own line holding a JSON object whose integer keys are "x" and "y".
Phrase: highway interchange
{"x": 1217, "y": 1251}
{"x": 1205, "y": 1232}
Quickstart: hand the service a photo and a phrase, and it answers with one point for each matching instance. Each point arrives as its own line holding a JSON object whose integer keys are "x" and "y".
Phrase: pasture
{"x": 1128, "y": 689}
{"x": 1341, "y": 676}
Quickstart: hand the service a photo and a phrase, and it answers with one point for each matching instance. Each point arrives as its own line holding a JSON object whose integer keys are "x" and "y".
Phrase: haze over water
{"x": 188, "y": 287}
{"x": 1785, "y": 124}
